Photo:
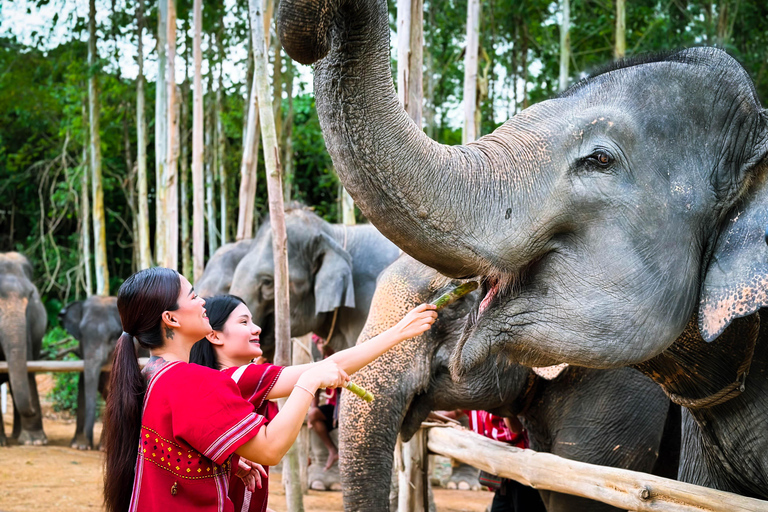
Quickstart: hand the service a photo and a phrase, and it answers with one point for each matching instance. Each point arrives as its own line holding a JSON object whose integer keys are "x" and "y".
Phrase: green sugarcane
{"x": 455, "y": 294}
{"x": 360, "y": 391}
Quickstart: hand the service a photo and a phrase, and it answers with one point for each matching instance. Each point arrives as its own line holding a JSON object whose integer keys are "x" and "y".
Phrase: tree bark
{"x": 210, "y": 170}
{"x": 221, "y": 140}
{"x": 565, "y": 45}
{"x": 198, "y": 228}
{"x": 621, "y": 23}
{"x": 99, "y": 227}
{"x": 260, "y": 23}
{"x": 410, "y": 57}
{"x": 287, "y": 142}
{"x": 145, "y": 255}
{"x": 172, "y": 149}
{"x": 470, "y": 71}
{"x": 85, "y": 214}
{"x": 186, "y": 242}
{"x": 161, "y": 131}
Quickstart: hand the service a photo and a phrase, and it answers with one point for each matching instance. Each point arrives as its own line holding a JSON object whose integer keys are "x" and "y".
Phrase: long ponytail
{"x": 141, "y": 300}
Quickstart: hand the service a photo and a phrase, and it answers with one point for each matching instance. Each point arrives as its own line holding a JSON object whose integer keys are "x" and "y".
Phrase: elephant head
{"x": 217, "y": 277}
{"x": 600, "y": 221}
{"x": 95, "y": 324}
{"x": 320, "y": 276}
{"x": 22, "y": 324}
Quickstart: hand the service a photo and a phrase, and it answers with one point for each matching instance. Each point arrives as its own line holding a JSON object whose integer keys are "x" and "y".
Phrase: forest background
{"x": 46, "y": 149}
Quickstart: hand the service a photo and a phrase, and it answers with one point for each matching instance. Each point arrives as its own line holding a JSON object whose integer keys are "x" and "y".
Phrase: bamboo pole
{"x": 627, "y": 490}
{"x": 62, "y": 366}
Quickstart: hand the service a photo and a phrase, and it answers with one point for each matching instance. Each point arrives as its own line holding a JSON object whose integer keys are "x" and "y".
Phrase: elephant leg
{"x": 91, "y": 376}
{"x": 16, "y": 429}
{"x": 464, "y": 477}
{"x": 559, "y": 502}
{"x": 513, "y": 495}
{"x": 32, "y": 426}
{"x": 80, "y": 442}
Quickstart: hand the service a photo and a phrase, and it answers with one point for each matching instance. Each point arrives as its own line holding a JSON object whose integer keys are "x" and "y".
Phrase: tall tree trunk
{"x": 565, "y": 45}
{"x": 410, "y": 57}
{"x": 470, "y": 71}
{"x": 172, "y": 148}
{"x": 524, "y": 65}
{"x": 293, "y": 495}
{"x": 99, "y": 225}
{"x": 277, "y": 86}
{"x": 145, "y": 256}
{"x": 210, "y": 170}
{"x": 85, "y": 213}
{"x": 198, "y": 228}
{"x": 186, "y": 245}
{"x": 161, "y": 132}
{"x": 621, "y": 23}
{"x": 430, "y": 80}
{"x": 287, "y": 142}
{"x": 221, "y": 139}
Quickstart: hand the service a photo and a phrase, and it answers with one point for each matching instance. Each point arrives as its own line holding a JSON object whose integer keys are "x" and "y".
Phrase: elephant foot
{"x": 33, "y": 438}
{"x": 317, "y": 485}
{"x": 80, "y": 442}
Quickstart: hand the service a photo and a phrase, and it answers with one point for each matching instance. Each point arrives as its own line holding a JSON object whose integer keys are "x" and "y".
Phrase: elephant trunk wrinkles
{"x": 429, "y": 199}
{"x": 13, "y": 326}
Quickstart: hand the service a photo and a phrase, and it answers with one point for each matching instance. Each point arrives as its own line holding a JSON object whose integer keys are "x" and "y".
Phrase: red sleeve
{"x": 255, "y": 381}
{"x": 213, "y": 417}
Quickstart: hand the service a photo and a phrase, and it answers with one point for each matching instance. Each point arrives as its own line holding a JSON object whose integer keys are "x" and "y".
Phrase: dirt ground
{"x": 56, "y": 477}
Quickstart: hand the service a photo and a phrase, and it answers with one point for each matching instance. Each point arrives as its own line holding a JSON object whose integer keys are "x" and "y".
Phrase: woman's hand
{"x": 325, "y": 374}
{"x": 250, "y": 473}
{"x": 416, "y": 322}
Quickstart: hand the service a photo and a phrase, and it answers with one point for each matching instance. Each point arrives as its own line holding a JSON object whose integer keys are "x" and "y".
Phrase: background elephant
{"x": 217, "y": 277}
{"x": 22, "y": 325}
{"x": 613, "y": 224}
{"x": 332, "y": 268}
{"x": 95, "y": 324}
{"x": 606, "y": 417}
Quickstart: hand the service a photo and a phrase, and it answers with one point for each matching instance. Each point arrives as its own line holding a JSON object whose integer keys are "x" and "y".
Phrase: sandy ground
{"x": 56, "y": 477}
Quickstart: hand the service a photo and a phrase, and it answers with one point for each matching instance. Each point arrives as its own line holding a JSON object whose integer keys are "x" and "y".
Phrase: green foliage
{"x": 64, "y": 393}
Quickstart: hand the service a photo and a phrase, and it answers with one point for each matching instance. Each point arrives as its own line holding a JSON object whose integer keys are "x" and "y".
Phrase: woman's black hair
{"x": 141, "y": 301}
{"x": 218, "y": 308}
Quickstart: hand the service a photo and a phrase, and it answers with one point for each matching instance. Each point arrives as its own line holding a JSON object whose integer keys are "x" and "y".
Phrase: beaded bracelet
{"x": 305, "y": 389}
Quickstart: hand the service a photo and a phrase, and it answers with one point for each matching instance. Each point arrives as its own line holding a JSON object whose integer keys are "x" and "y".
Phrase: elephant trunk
{"x": 429, "y": 199}
{"x": 15, "y": 337}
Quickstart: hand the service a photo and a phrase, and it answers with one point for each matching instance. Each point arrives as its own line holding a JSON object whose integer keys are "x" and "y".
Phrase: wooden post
{"x": 161, "y": 131}
{"x": 172, "y": 148}
{"x": 198, "y": 220}
{"x": 627, "y": 490}
{"x": 565, "y": 45}
{"x": 293, "y": 495}
{"x": 621, "y": 24}
{"x": 145, "y": 255}
{"x": 413, "y": 477}
{"x": 470, "y": 71}
{"x": 302, "y": 354}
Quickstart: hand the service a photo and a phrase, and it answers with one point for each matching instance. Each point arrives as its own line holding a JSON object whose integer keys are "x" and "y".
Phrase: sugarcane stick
{"x": 360, "y": 391}
{"x": 455, "y": 294}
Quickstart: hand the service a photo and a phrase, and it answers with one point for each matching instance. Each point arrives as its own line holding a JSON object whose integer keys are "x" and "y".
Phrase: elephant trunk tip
{"x": 304, "y": 29}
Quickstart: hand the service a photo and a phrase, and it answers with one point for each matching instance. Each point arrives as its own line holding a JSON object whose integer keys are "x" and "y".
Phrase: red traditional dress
{"x": 489, "y": 425}
{"x": 193, "y": 421}
{"x": 255, "y": 382}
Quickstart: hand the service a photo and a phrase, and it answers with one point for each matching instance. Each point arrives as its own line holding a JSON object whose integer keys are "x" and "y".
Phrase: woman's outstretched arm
{"x": 414, "y": 323}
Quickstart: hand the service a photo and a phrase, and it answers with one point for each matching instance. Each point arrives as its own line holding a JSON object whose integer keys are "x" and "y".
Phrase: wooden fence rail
{"x": 61, "y": 366}
{"x": 628, "y": 490}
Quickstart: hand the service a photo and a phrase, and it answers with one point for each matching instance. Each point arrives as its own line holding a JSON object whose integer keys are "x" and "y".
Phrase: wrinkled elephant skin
{"x": 95, "y": 324}
{"x": 623, "y": 411}
{"x": 22, "y": 325}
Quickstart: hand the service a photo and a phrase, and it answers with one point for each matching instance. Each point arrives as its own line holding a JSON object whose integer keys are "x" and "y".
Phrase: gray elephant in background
{"x": 608, "y": 417}
{"x": 217, "y": 277}
{"x": 22, "y": 325}
{"x": 333, "y": 270}
{"x": 95, "y": 324}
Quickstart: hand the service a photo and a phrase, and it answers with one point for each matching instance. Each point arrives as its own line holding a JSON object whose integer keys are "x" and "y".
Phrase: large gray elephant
{"x": 22, "y": 325}
{"x": 622, "y": 222}
{"x": 607, "y": 417}
{"x": 217, "y": 277}
{"x": 333, "y": 270}
{"x": 95, "y": 323}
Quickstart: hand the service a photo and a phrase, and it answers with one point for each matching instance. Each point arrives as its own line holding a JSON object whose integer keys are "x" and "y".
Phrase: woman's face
{"x": 240, "y": 337}
{"x": 191, "y": 313}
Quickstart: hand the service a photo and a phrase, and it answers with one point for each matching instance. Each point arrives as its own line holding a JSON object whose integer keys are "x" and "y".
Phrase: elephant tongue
{"x": 492, "y": 291}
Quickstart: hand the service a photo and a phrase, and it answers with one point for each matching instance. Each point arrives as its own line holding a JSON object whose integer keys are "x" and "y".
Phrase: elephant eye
{"x": 601, "y": 158}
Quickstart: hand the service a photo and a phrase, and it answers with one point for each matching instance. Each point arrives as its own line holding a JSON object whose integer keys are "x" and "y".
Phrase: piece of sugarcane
{"x": 455, "y": 294}
{"x": 360, "y": 391}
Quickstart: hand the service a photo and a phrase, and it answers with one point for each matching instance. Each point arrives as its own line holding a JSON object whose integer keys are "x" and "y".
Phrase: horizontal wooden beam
{"x": 628, "y": 490}
{"x": 61, "y": 366}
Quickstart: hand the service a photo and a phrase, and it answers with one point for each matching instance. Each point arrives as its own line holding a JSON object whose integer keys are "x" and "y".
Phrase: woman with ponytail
{"x": 234, "y": 342}
{"x": 171, "y": 430}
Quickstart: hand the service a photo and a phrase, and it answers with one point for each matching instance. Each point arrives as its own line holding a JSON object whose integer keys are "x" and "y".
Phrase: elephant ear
{"x": 333, "y": 281}
{"x": 70, "y": 317}
{"x": 736, "y": 280}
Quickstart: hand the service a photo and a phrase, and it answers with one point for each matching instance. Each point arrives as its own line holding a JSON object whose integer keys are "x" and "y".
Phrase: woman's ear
{"x": 213, "y": 337}
{"x": 170, "y": 320}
